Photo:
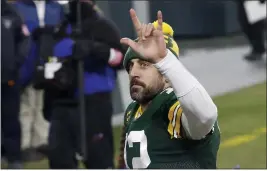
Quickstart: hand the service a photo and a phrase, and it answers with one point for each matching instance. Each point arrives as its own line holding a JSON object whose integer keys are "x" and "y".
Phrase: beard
{"x": 142, "y": 93}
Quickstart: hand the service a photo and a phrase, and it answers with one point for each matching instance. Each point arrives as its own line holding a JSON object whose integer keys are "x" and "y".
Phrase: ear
{"x": 166, "y": 80}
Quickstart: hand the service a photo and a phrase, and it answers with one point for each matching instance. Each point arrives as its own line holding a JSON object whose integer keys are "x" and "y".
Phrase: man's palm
{"x": 151, "y": 45}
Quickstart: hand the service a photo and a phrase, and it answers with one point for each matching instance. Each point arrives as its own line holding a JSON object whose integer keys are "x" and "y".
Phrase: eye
{"x": 144, "y": 64}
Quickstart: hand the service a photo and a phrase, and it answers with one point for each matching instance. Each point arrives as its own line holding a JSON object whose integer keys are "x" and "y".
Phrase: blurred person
{"x": 101, "y": 56}
{"x": 172, "y": 121}
{"x": 14, "y": 49}
{"x": 254, "y": 33}
{"x": 34, "y": 128}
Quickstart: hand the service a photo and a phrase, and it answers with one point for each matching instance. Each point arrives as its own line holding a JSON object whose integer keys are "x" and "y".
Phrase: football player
{"x": 172, "y": 121}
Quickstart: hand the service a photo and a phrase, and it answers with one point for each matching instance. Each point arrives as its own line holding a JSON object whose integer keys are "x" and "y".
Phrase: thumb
{"x": 132, "y": 44}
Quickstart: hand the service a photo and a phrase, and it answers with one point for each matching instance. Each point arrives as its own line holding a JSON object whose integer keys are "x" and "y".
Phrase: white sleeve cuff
{"x": 182, "y": 81}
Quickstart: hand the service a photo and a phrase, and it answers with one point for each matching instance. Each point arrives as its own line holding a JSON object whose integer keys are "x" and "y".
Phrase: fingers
{"x": 146, "y": 30}
{"x": 160, "y": 20}
{"x": 143, "y": 31}
{"x": 149, "y": 29}
{"x": 135, "y": 20}
{"x": 132, "y": 44}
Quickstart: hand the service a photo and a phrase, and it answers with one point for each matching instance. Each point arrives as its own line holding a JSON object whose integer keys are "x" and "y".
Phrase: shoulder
{"x": 169, "y": 96}
{"x": 109, "y": 23}
{"x": 106, "y": 26}
{"x": 171, "y": 104}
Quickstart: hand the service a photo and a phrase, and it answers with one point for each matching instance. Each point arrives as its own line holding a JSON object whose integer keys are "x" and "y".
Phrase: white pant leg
{"x": 40, "y": 125}
{"x": 34, "y": 126}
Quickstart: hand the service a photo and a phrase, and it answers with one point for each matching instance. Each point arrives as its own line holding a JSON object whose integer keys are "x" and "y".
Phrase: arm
{"x": 107, "y": 54}
{"x": 199, "y": 111}
{"x": 106, "y": 47}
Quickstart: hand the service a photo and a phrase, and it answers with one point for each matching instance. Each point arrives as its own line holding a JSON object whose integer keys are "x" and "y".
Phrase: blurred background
{"x": 225, "y": 52}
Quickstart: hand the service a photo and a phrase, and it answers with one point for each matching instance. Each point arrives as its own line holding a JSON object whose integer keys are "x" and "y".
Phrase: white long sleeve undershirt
{"x": 199, "y": 111}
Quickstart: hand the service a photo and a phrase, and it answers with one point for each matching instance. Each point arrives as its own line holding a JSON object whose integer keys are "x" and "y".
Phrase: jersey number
{"x": 143, "y": 161}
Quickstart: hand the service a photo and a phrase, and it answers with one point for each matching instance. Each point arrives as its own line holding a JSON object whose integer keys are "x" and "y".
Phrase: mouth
{"x": 136, "y": 83}
{"x": 136, "y": 86}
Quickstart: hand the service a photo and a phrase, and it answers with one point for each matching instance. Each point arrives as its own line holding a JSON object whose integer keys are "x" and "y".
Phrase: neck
{"x": 144, "y": 106}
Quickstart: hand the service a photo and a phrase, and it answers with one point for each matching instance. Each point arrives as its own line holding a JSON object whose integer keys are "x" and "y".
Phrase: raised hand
{"x": 150, "y": 45}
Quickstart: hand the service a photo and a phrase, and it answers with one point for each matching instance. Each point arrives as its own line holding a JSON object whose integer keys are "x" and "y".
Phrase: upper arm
{"x": 106, "y": 31}
{"x": 199, "y": 113}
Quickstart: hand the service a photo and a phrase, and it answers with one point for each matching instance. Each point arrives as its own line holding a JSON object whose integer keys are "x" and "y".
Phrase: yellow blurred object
{"x": 166, "y": 28}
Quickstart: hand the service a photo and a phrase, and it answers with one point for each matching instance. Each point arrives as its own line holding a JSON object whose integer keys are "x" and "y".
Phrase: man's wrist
{"x": 160, "y": 59}
{"x": 166, "y": 62}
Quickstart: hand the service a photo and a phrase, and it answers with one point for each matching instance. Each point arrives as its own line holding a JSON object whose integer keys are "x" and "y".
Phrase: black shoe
{"x": 254, "y": 56}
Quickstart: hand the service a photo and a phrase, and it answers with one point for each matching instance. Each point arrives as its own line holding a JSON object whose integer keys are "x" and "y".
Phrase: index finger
{"x": 135, "y": 20}
{"x": 160, "y": 20}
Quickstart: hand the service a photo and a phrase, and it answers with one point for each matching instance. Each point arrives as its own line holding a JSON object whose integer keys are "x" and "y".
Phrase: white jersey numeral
{"x": 143, "y": 161}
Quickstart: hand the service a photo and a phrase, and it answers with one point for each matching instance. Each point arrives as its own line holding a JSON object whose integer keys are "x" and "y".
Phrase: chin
{"x": 134, "y": 96}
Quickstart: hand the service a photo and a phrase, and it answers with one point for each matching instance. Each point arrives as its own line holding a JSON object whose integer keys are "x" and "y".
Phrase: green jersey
{"x": 155, "y": 139}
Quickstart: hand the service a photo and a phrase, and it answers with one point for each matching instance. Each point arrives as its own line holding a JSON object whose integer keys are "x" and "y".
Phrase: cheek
{"x": 150, "y": 82}
{"x": 151, "y": 78}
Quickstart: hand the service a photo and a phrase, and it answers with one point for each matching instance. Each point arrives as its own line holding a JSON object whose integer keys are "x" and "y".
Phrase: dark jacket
{"x": 15, "y": 41}
{"x": 98, "y": 36}
{"x": 53, "y": 16}
{"x": 99, "y": 76}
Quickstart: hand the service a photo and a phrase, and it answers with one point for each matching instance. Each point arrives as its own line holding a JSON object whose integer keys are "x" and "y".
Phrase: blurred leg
{"x": 10, "y": 107}
{"x": 26, "y": 118}
{"x": 253, "y": 32}
{"x": 62, "y": 150}
{"x": 257, "y": 30}
{"x": 40, "y": 125}
{"x": 99, "y": 130}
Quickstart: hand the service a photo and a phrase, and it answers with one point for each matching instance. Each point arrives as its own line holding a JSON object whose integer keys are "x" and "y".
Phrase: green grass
{"x": 241, "y": 114}
{"x": 242, "y": 120}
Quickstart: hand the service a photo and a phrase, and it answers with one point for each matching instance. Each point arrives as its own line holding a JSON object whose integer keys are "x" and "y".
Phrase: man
{"x": 14, "y": 49}
{"x": 100, "y": 57}
{"x": 34, "y": 127}
{"x": 172, "y": 122}
{"x": 254, "y": 33}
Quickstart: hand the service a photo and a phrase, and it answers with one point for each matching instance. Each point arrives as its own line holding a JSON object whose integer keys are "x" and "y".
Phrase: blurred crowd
{"x": 44, "y": 45}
